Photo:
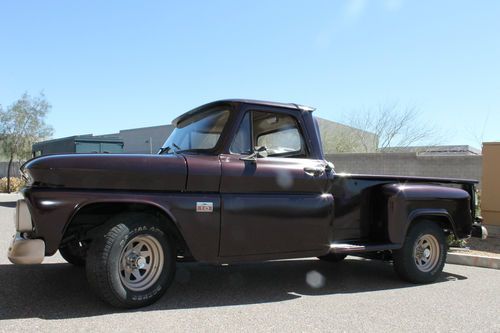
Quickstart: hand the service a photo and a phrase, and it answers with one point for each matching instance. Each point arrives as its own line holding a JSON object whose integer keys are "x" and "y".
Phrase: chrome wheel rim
{"x": 426, "y": 253}
{"x": 141, "y": 262}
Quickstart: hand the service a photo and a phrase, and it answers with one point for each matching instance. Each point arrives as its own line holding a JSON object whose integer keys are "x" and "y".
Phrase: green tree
{"x": 21, "y": 125}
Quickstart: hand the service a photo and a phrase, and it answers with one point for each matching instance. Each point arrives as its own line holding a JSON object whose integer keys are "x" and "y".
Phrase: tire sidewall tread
{"x": 404, "y": 263}
{"x": 104, "y": 255}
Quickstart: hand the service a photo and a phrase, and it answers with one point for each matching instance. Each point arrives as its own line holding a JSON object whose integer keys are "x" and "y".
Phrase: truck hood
{"x": 108, "y": 171}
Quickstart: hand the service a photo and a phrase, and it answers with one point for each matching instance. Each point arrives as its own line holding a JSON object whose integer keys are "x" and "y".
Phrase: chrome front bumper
{"x": 24, "y": 250}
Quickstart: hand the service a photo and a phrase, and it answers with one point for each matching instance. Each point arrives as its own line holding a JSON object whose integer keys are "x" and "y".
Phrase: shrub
{"x": 454, "y": 242}
{"x": 16, "y": 183}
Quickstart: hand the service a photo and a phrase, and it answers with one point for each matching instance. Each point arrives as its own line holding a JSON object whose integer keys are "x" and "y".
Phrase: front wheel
{"x": 423, "y": 255}
{"x": 132, "y": 264}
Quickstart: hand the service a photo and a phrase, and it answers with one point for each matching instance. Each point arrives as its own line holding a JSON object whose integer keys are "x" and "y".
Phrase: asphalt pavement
{"x": 302, "y": 295}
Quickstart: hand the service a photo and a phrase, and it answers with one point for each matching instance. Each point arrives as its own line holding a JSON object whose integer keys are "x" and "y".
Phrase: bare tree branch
{"x": 395, "y": 126}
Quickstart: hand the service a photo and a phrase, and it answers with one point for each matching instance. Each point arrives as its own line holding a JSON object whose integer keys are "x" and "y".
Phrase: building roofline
{"x": 62, "y": 139}
{"x": 81, "y": 138}
{"x": 344, "y": 125}
{"x": 142, "y": 128}
{"x": 435, "y": 149}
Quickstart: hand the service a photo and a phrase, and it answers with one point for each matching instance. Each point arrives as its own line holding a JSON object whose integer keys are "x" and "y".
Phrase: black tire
{"x": 74, "y": 253}
{"x": 413, "y": 262}
{"x": 117, "y": 261}
{"x": 333, "y": 257}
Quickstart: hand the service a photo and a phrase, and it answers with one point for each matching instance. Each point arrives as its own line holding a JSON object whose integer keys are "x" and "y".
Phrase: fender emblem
{"x": 204, "y": 207}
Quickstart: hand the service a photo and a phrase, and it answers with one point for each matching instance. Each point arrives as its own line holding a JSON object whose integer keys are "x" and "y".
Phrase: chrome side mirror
{"x": 259, "y": 152}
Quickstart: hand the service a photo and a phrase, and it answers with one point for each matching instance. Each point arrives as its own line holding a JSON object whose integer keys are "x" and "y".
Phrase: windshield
{"x": 199, "y": 132}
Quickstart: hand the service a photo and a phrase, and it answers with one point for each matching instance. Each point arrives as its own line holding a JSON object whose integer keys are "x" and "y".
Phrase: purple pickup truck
{"x": 236, "y": 181}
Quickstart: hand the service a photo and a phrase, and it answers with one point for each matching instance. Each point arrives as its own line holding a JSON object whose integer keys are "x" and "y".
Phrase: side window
{"x": 280, "y": 134}
{"x": 287, "y": 140}
{"x": 242, "y": 142}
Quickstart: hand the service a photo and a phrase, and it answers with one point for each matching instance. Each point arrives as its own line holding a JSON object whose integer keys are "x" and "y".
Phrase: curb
{"x": 471, "y": 260}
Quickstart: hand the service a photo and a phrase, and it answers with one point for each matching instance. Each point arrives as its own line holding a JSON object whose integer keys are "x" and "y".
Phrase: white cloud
{"x": 349, "y": 15}
{"x": 354, "y": 9}
{"x": 392, "y": 5}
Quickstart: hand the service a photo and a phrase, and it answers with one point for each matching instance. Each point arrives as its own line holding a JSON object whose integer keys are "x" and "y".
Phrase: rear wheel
{"x": 423, "y": 255}
{"x": 132, "y": 264}
{"x": 333, "y": 257}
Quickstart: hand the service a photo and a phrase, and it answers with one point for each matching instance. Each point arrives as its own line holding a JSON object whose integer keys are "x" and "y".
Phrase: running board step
{"x": 357, "y": 248}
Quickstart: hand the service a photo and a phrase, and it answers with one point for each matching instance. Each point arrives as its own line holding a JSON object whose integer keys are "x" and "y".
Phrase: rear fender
{"x": 407, "y": 203}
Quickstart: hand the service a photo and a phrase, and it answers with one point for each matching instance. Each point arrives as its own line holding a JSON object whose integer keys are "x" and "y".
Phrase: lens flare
{"x": 315, "y": 279}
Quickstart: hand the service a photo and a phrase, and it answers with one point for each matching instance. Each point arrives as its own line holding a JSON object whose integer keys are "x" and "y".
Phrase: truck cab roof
{"x": 238, "y": 102}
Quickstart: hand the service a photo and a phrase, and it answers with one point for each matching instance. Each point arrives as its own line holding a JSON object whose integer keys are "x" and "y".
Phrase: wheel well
{"x": 441, "y": 220}
{"x": 92, "y": 216}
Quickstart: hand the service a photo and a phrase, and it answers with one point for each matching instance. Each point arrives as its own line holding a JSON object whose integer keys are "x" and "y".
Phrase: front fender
{"x": 52, "y": 210}
{"x": 409, "y": 202}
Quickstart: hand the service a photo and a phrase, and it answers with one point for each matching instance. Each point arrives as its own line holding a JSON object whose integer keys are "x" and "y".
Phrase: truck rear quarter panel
{"x": 380, "y": 208}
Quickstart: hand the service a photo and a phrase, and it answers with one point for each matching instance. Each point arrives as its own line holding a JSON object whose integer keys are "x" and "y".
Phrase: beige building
{"x": 490, "y": 194}
{"x": 340, "y": 138}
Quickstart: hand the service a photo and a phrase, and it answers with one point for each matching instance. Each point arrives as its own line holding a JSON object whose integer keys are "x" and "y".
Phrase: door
{"x": 276, "y": 204}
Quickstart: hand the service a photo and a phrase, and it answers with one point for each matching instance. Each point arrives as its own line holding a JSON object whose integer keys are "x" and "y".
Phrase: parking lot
{"x": 291, "y": 295}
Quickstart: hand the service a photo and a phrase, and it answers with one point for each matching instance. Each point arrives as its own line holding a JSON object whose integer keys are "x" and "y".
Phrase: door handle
{"x": 316, "y": 171}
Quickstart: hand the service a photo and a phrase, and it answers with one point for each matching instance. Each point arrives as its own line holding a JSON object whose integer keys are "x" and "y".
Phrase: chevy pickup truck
{"x": 237, "y": 180}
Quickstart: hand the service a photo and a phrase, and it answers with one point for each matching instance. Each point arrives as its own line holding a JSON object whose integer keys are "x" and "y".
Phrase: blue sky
{"x": 111, "y": 65}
